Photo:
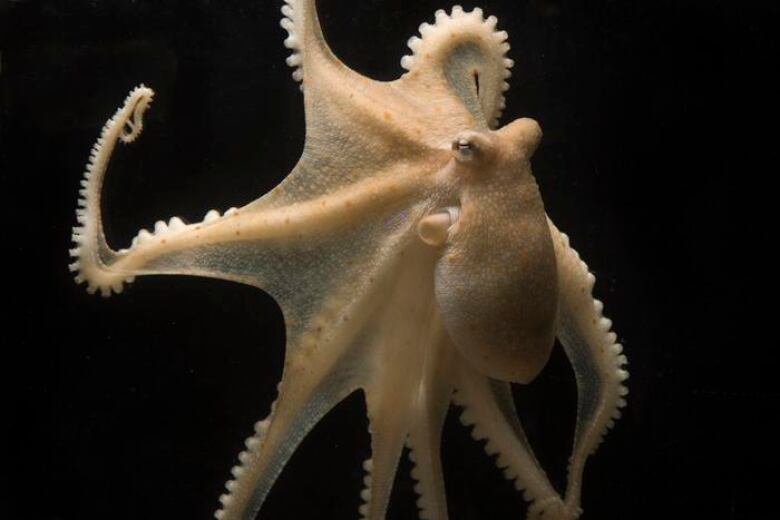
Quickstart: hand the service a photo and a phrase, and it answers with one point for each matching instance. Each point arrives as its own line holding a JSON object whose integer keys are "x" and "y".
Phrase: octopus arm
{"x": 382, "y": 339}
{"x": 424, "y": 441}
{"x": 336, "y": 245}
{"x": 347, "y": 343}
{"x": 460, "y": 60}
{"x": 357, "y": 300}
{"x": 595, "y": 355}
{"x": 326, "y": 360}
{"x": 407, "y": 387}
{"x": 295, "y": 245}
{"x": 305, "y": 396}
{"x": 354, "y": 125}
{"x": 305, "y": 38}
{"x": 488, "y": 406}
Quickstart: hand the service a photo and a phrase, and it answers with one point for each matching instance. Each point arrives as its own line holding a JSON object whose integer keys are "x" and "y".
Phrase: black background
{"x": 658, "y": 159}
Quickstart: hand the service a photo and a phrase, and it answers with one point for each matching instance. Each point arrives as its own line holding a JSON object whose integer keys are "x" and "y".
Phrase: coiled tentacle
{"x": 168, "y": 249}
{"x": 93, "y": 256}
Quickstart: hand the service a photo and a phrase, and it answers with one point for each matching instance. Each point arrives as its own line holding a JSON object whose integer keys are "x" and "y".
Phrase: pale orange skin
{"x": 412, "y": 257}
{"x": 499, "y": 307}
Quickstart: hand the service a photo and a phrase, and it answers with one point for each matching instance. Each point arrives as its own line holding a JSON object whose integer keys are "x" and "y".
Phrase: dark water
{"x": 659, "y": 152}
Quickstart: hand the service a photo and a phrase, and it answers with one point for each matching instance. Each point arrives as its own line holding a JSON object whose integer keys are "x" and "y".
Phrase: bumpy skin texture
{"x": 496, "y": 279}
{"x": 411, "y": 255}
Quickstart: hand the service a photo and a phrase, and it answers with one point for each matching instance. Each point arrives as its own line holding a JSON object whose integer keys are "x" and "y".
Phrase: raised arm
{"x": 246, "y": 244}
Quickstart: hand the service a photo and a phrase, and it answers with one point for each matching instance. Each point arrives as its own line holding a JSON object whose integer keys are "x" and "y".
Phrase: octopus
{"x": 412, "y": 257}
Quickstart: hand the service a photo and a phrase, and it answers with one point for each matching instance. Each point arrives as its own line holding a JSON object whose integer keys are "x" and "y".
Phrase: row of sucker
{"x": 607, "y": 355}
{"x": 254, "y": 445}
{"x": 538, "y": 506}
{"x": 470, "y": 21}
{"x": 616, "y": 359}
{"x": 365, "y": 494}
{"x": 88, "y": 239}
{"x": 479, "y": 434}
{"x": 92, "y": 256}
{"x": 290, "y": 20}
{"x": 424, "y": 507}
{"x": 174, "y": 225}
{"x": 160, "y": 231}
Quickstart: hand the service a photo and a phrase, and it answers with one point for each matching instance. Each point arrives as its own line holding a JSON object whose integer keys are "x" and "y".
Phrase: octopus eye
{"x": 470, "y": 145}
{"x": 463, "y": 149}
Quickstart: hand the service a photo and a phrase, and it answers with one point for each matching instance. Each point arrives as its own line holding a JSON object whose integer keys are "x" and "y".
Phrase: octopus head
{"x": 502, "y": 150}
{"x": 496, "y": 278}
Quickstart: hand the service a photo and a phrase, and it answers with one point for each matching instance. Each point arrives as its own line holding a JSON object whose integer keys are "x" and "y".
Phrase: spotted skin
{"x": 411, "y": 255}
